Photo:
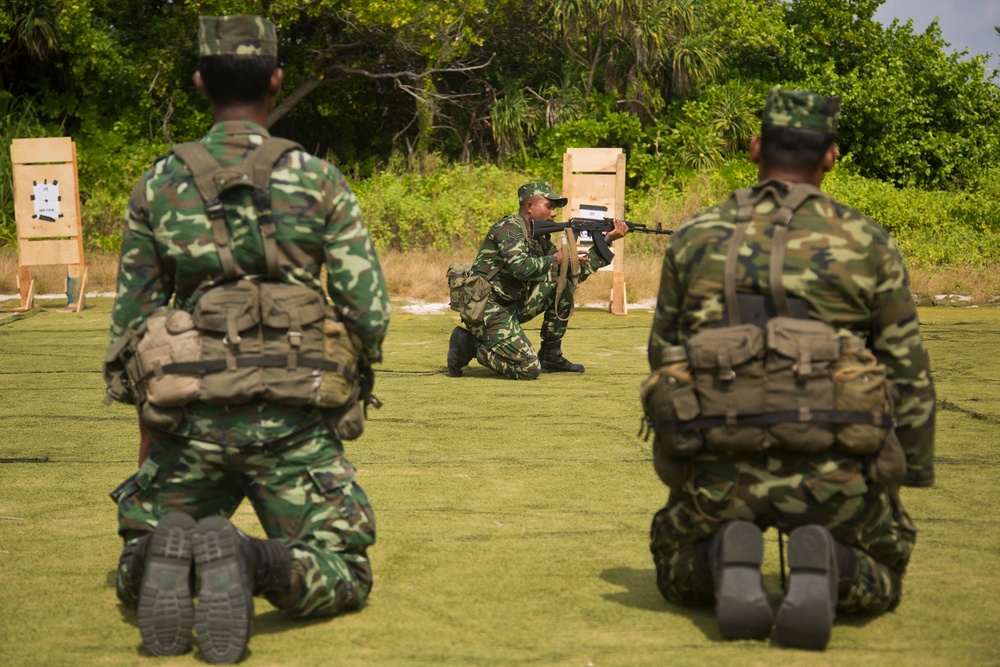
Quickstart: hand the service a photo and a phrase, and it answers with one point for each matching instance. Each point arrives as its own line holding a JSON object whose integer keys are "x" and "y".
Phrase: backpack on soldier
{"x": 789, "y": 383}
{"x": 249, "y": 337}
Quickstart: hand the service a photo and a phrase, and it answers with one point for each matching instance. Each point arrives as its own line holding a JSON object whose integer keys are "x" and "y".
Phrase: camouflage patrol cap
{"x": 538, "y": 188}
{"x": 800, "y": 108}
{"x": 237, "y": 35}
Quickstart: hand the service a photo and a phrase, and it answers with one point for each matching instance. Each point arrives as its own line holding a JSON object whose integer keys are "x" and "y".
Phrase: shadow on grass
{"x": 641, "y": 593}
{"x": 274, "y": 621}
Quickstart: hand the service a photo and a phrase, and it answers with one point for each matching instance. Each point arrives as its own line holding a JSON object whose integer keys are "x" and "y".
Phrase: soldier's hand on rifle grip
{"x": 618, "y": 232}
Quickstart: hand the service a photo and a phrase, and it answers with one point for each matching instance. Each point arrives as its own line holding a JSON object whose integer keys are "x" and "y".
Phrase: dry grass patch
{"x": 420, "y": 276}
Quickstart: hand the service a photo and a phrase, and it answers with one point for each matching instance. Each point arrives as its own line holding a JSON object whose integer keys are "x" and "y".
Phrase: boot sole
{"x": 805, "y": 617}
{"x": 742, "y": 606}
{"x": 225, "y": 604}
{"x": 165, "y": 611}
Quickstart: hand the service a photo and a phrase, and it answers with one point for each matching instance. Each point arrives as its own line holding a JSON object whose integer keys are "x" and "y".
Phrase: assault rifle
{"x": 596, "y": 228}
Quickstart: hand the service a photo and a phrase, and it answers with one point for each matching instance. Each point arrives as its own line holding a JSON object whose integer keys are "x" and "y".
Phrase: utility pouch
{"x": 342, "y": 348}
{"x": 862, "y": 386}
{"x": 169, "y": 336}
{"x": 728, "y": 367}
{"x": 228, "y": 317}
{"x": 799, "y": 359}
{"x": 668, "y": 401}
{"x": 468, "y": 292}
{"x": 292, "y": 317}
{"x": 121, "y": 370}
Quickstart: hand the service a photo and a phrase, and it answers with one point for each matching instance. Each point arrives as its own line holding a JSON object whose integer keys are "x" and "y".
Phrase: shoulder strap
{"x": 788, "y": 204}
{"x": 212, "y": 180}
{"x": 261, "y": 163}
{"x": 746, "y": 200}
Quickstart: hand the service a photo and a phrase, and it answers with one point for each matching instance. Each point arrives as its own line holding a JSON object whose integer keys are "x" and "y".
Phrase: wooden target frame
{"x": 47, "y": 213}
{"x": 596, "y": 177}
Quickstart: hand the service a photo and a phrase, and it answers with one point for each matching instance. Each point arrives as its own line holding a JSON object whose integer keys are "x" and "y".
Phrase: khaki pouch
{"x": 728, "y": 366}
{"x": 862, "y": 386}
{"x": 668, "y": 400}
{"x": 468, "y": 292}
{"x": 799, "y": 360}
{"x": 169, "y": 337}
{"x": 342, "y": 348}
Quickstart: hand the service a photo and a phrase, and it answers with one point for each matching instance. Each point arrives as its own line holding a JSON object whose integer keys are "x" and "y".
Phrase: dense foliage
{"x": 375, "y": 84}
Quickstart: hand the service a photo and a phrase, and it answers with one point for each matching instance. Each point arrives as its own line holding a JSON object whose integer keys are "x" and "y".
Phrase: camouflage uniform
{"x": 850, "y": 274}
{"x": 283, "y": 459}
{"x": 524, "y": 286}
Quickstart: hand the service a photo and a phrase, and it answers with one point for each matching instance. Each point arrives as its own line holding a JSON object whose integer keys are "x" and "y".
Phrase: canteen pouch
{"x": 468, "y": 292}
{"x": 668, "y": 400}
{"x": 800, "y": 356}
{"x": 861, "y": 385}
{"x": 342, "y": 348}
{"x": 169, "y": 336}
{"x": 728, "y": 368}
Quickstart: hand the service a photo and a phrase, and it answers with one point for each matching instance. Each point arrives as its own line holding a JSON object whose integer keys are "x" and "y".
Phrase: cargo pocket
{"x": 849, "y": 482}
{"x": 340, "y": 514}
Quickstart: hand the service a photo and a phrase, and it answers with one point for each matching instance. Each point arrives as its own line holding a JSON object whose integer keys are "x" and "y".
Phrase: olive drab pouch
{"x": 468, "y": 292}
{"x": 668, "y": 401}
{"x": 888, "y": 466}
{"x": 292, "y": 321}
{"x": 344, "y": 349}
{"x": 728, "y": 368}
{"x": 169, "y": 337}
{"x": 800, "y": 355}
{"x": 121, "y": 370}
{"x": 228, "y": 316}
{"x": 861, "y": 385}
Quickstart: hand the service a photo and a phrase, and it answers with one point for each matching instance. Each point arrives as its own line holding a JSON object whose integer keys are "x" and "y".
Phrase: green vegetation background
{"x": 437, "y": 109}
{"x": 512, "y": 517}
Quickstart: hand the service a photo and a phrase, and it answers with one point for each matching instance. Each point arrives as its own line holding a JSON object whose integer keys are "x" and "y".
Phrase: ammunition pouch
{"x": 244, "y": 341}
{"x": 794, "y": 386}
{"x": 468, "y": 292}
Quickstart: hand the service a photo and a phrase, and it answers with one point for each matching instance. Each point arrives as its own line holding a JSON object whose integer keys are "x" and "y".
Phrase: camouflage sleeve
{"x": 666, "y": 318}
{"x": 355, "y": 281}
{"x": 143, "y": 283}
{"x": 590, "y": 267}
{"x": 897, "y": 343}
{"x": 517, "y": 257}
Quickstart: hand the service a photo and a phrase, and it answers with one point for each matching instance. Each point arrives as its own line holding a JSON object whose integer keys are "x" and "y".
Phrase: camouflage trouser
{"x": 302, "y": 490}
{"x": 783, "y": 491}
{"x": 505, "y": 349}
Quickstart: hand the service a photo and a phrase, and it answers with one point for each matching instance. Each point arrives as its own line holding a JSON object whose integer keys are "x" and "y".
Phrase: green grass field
{"x": 512, "y": 517}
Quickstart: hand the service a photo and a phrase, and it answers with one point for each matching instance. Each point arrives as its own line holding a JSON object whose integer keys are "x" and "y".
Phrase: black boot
{"x": 741, "y": 602}
{"x": 271, "y": 567}
{"x": 165, "y": 611}
{"x": 462, "y": 349}
{"x": 551, "y": 357}
{"x": 225, "y": 598}
{"x": 805, "y": 617}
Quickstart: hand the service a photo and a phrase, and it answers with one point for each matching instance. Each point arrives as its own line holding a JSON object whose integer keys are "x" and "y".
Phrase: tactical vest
{"x": 250, "y": 337}
{"x": 790, "y": 385}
